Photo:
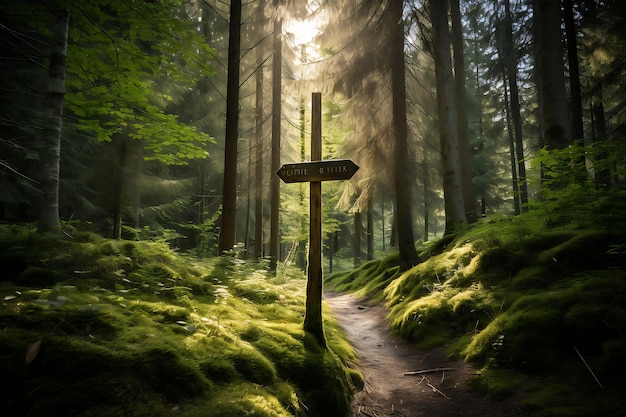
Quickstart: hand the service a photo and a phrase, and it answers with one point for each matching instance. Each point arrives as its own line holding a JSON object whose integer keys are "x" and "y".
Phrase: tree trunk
{"x": 331, "y": 253}
{"x": 370, "y": 230}
{"x": 51, "y": 135}
{"x": 469, "y": 196}
{"x": 258, "y": 164}
{"x": 358, "y": 226}
{"x": 598, "y": 127}
{"x": 576, "y": 106}
{"x": 393, "y": 236}
{"x": 333, "y": 245}
{"x": 511, "y": 76}
{"x": 425, "y": 186}
{"x": 246, "y": 238}
{"x": 303, "y": 238}
{"x": 552, "y": 80}
{"x": 406, "y": 243}
{"x": 448, "y": 139}
{"x": 126, "y": 198}
{"x": 229, "y": 189}
{"x": 119, "y": 191}
{"x": 513, "y": 159}
{"x": 574, "y": 73}
{"x": 482, "y": 170}
{"x": 382, "y": 227}
{"x": 276, "y": 111}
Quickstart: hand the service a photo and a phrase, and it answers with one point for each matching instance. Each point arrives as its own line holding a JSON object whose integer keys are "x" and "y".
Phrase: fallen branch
{"x": 428, "y": 371}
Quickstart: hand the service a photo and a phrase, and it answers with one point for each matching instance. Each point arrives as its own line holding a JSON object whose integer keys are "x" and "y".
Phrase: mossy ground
{"x": 541, "y": 311}
{"x": 98, "y": 327}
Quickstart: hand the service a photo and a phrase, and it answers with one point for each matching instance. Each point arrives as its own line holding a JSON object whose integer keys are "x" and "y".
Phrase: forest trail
{"x": 384, "y": 358}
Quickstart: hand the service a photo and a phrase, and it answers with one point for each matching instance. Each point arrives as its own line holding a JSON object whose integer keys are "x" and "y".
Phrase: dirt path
{"x": 384, "y": 358}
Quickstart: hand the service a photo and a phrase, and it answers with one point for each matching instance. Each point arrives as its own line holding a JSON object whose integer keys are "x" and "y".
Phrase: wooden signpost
{"x": 315, "y": 172}
{"x": 330, "y": 169}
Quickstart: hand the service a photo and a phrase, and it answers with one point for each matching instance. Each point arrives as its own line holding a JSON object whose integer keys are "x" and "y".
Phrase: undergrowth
{"x": 99, "y": 327}
{"x": 539, "y": 309}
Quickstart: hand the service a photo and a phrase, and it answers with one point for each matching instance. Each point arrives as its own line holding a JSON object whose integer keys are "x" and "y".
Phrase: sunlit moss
{"x": 369, "y": 279}
{"x": 516, "y": 297}
{"x": 431, "y": 274}
{"x": 248, "y": 399}
{"x": 417, "y": 320}
{"x": 475, "y": 301}
{"x": 162, "y": 334}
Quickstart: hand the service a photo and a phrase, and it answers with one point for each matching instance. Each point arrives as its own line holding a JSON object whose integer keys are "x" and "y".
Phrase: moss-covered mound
{"x": 541, "y": 310}
{"x": 97, "y": 327}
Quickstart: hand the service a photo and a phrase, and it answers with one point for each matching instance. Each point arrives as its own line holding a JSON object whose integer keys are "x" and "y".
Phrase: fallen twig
{"x": 438, "y": 391}
{"x": 587, "y": 365}
{"x": 428, "y": 371}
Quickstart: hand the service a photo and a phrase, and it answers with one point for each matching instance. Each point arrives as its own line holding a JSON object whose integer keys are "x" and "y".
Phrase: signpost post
{"x": 315, "y": 172}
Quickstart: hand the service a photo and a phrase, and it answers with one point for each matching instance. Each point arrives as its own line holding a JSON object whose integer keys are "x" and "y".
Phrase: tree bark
{"x": 276, "y": 112}
{"x": 51, "y": 136}
{"x": 469, "y": 196}
{"x": 382, "y": 226}
{"x": 126, "y": 193}
{"x": 246, "y": 238}
{"x": 258, "y": 163}
{"x": 426, "y": 185}
{"x": 448, "y": 139}
{"x": 302, "y": 244}
{"x": 599, "y": 134}
{"x": 370, "y": 230}
{"x": 229, "y": 189}
{"x": 406, "y": 242}
{"x": 552, "y": 80}
{"x": 574, "y": 72}
{"x": 513, "y": 159}
{"x": 358, "y": 226}
{"x": 119, "y": 191}
{"x": 510, "y": 63}
{"x": 393, "y": 235}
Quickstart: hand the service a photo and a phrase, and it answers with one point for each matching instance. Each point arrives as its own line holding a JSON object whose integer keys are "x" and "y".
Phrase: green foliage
{"x": 570, "y": 196}
{"x": 127, "y": 59}
{"x": 130, "y": 328}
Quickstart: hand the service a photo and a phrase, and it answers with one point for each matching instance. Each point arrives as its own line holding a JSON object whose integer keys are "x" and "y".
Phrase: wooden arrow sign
{"x": 327, "y": 170}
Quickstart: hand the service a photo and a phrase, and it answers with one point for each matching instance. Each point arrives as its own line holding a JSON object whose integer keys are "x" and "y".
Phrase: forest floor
{"x": 440, "y": 390}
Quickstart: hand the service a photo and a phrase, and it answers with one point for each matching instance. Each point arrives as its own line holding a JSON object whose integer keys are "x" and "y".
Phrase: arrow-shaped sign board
{"x": 327, "y": 170}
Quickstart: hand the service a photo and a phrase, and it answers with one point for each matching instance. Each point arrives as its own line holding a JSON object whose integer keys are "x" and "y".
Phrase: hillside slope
{"x": 98, "y": 327}
{"x": 541, "y": 311}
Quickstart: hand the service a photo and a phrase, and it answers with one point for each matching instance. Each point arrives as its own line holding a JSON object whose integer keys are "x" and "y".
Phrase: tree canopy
{"x": 146, "y": 93}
